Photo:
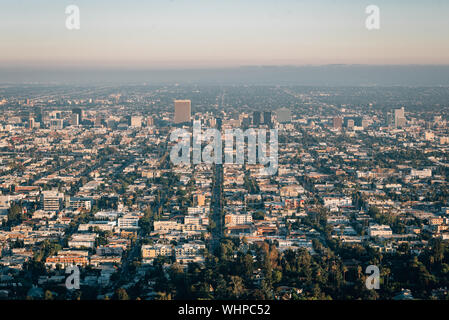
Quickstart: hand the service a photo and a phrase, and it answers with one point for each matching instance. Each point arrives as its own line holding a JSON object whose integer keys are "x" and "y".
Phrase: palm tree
{"x": 359, "y": 272}
{"x": 345, "y": 269}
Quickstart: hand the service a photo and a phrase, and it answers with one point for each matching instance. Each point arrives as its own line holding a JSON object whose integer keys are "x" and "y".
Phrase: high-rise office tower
{"x": 74, "y": 119}
{"x": 98, "y": 121}
{"x": 338, "y": 123}
{"x": 79, "y": 112}
{"x": 246, "y": 121}
{"x": 182, "y": 111}
{"x": 30, "y": 123}
{"x": 388, "y": 119}
{"x": 257, "y": 118}
{"x": 219, "y": 123}
{"x": 399, "y": 118}
{"x": 38, "y": 114}
{"x": 150, "y": 121}
{"x": 267, "y": 118}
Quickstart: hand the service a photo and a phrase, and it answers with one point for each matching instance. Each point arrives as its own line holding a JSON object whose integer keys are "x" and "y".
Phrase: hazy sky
{"x": 197, "y": 33}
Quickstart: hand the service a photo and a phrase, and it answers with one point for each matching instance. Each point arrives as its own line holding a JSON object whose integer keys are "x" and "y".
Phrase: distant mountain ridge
{"x": 309, "y": 75}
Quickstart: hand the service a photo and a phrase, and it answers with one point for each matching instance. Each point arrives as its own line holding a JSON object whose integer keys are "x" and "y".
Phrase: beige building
{"x": 199, "y": 200}
{"x": 52, "y": 200}
{"x": 399, "y": 118}
{"x": 152, "y": 251}
{"x": 182, "y": 111}
{"x": 136, "y": 121}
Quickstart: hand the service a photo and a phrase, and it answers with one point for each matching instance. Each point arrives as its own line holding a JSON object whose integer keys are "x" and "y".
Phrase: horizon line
{"x": 150, "y": 68}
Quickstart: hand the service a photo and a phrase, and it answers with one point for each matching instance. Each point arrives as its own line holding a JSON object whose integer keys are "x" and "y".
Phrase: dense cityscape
{"x": 86, "y": 180}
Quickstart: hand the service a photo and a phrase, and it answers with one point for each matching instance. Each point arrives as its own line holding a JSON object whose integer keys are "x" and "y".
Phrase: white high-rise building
{"x": 399, "y": 118}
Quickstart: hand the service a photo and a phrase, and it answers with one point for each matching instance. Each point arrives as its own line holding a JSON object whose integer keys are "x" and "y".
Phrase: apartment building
{"x": 52, "y": 200}
{"x": 379, "y": 231}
